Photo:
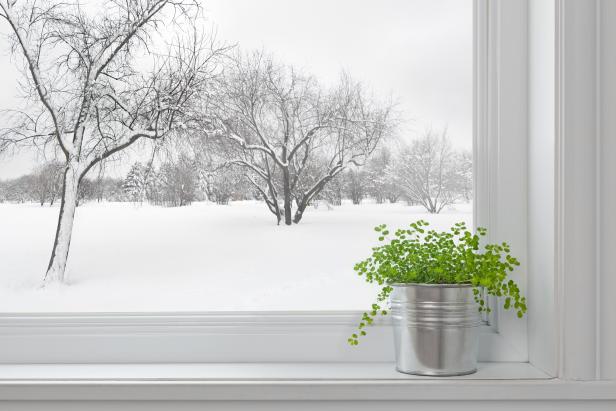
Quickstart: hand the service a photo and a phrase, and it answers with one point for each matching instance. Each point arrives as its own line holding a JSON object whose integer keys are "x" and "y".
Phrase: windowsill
{"x": 250, "y": 372}
{"x": 284, "y": 381}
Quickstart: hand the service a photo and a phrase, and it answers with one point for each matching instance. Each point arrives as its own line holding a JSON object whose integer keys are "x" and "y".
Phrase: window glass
{"x": 314, "y": 122}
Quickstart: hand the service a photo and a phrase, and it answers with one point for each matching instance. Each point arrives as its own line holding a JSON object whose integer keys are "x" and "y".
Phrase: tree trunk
{"x": 287, "y": 196}
{"x": 59, "y": 254}
{"x": 308, "y": 197}
{"x": 299, "y": 213}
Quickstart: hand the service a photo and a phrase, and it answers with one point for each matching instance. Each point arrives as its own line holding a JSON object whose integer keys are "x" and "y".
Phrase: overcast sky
{"x": 417, "y": 51}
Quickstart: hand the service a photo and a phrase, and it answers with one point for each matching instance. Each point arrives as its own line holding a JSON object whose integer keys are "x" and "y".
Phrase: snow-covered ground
{"x": 204, "y": 257}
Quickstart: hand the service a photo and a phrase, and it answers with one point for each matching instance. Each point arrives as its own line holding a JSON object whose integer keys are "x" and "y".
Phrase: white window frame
{"x": 500, "y": 205}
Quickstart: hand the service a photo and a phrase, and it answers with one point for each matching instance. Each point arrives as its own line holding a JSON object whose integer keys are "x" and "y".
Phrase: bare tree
{"x": 84, "y": 70}
{"x": 291, "y": 135}
{"x": 333, "y": 192}
{"x": 86, "y": 191}
{"x": 178, "y": 182}
{"x": 108, "y": 188}
{"x": 355, "y": 185}
{"x": 40, "y": 185}
{"x": 219, "y": 179}
{"x": 464, "y": 176}
{"x": 46, "y": 181}
{"x": 225, "y": 184}
{"x": 57, "y": 170}
{"x": 427, "y": 172}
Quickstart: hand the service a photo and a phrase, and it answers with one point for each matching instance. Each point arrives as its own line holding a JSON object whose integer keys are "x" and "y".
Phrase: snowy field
{"x": 204, "y": 257}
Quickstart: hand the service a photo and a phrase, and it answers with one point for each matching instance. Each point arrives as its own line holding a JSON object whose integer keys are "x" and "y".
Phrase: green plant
{"x": 420, "y": 255}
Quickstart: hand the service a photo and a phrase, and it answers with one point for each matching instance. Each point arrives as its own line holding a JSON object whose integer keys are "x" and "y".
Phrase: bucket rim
{"x": 432, "y": 285}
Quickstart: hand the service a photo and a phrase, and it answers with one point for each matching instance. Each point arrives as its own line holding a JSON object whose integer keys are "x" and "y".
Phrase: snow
{"x": 203, "y": 257}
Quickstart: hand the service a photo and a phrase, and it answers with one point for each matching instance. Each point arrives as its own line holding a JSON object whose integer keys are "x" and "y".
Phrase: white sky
{"x": 417, "y": 51}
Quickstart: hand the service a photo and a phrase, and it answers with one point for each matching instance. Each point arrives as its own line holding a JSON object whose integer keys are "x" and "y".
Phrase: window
{"x": 201, "y": 274}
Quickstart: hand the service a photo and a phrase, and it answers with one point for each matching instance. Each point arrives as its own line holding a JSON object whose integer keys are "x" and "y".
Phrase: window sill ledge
{"x": 285, "y": 381}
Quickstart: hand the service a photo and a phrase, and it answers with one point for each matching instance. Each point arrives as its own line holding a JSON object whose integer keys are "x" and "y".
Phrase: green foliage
{"x": 423, "y": 256}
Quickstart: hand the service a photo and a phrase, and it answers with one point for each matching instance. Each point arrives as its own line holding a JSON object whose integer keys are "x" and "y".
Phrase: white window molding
{"x": 500, "y": 149}
{"x": 584, "y": 187}
{"x": 575, "y": 220}
{"x": 541, "y": 203}
{"x": 204, "y": 337}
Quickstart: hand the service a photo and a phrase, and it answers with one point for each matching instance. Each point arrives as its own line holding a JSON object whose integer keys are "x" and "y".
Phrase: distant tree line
{"x": 173, "y": 183}
{"x": 427, "y": 172}
{"x": 44, "y": 186}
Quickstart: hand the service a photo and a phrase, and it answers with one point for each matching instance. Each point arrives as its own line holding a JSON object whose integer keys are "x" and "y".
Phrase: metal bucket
{"x": 436, "y": 329}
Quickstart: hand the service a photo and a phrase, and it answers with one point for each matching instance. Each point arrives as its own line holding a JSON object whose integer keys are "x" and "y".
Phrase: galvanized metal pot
{"x": 436, "y": 329}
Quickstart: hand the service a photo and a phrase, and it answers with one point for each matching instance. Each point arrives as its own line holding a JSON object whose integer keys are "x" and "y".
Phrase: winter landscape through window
{"x": 224, "y": 155}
